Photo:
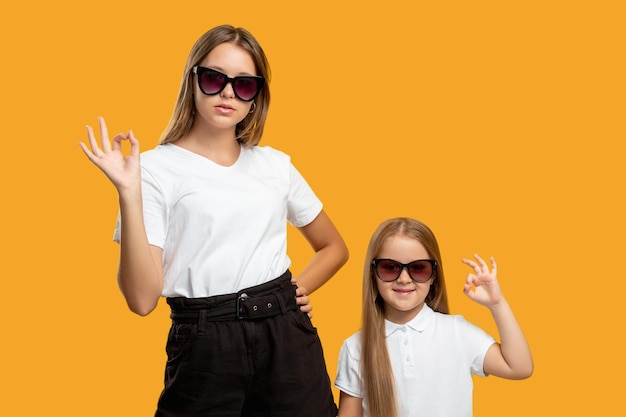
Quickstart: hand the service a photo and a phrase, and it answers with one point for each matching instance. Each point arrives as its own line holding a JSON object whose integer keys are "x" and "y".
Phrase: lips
{"x": 225, "y": 109}
{"x": 405, "y": 291}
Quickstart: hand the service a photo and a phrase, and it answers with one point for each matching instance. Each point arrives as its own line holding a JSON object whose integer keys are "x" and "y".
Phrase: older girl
{"x": 203, "y": 222}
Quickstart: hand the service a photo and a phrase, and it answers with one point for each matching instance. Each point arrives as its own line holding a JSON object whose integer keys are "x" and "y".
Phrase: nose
{"x": 404, "y": 275}
{"x": 228, "y": 91}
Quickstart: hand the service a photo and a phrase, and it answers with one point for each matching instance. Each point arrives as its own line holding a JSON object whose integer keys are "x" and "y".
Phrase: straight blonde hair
{"x": 376, "y": 365}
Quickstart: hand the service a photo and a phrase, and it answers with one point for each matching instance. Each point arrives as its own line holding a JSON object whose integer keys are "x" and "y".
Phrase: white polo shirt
{"x": 433, "y": 358}
{"x": 221, "y": 228}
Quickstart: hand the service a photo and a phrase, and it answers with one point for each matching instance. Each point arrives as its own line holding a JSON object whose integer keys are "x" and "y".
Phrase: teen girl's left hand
{"x": 302, "y": 299}
{"x": 482, "y": 286}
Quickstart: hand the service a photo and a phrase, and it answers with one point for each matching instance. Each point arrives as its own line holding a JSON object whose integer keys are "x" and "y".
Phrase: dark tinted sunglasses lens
{"x": 421, "y": 270}
{"x": 388, "y": 270}
{"x": 246, "y": 87}
{"x": 212, "y": 82}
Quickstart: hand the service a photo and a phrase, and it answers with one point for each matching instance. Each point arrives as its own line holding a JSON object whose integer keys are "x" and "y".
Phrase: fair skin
{"x": 140, "y": 273}
{"x": 404, "y": 298}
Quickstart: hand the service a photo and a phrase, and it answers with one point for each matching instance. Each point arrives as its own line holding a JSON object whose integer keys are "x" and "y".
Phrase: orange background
{"x": 499, "y": 124}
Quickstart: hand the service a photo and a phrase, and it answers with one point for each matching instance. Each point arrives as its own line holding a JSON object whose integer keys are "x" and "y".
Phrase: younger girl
{"x": 203, "y": 222}
{"x": 410, "y": 357}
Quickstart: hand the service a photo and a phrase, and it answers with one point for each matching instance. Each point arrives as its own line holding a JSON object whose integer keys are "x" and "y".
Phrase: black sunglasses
{"x": 211, "y": 82}
{"x": 389, "y": 270}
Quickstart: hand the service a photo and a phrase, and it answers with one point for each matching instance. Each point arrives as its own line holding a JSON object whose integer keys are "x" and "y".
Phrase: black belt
{"x": 266, "y": 300}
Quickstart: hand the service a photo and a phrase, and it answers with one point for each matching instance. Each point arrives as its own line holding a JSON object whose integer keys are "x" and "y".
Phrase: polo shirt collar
{"x": 417, "y": 323}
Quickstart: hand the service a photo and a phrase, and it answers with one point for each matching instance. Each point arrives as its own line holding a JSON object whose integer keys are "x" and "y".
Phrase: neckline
{"x": 197, "y": 156}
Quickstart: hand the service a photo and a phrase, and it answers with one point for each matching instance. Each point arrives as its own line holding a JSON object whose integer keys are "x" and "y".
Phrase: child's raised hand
{"x": 482, "y": 286}
{"x": 123, "y": 171}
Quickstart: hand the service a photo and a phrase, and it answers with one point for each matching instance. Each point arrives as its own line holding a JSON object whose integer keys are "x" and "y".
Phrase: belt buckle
{"x": 242, "y": 297}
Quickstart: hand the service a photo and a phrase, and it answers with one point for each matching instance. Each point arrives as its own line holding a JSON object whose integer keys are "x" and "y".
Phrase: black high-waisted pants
{"x": 249, "y": 354}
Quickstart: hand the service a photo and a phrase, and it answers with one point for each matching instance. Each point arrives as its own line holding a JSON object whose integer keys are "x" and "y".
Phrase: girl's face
{"x": 403, "y": 298}
{"x": 224, "y": 110}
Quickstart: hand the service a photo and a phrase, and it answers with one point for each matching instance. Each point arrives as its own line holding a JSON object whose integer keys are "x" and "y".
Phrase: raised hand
{"x": 123, "y": 171}
{"x": 482, "y": 285}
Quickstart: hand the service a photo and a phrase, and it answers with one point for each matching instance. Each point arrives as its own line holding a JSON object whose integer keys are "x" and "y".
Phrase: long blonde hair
{"x": 250, "y": 130}
{"x": 376, "y": 365}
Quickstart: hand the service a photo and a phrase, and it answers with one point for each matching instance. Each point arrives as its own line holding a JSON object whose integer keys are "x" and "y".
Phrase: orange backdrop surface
{"x": 499, "y": 124}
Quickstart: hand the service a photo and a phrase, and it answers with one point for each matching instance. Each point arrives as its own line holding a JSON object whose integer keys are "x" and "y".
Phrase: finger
{"x": 482, "y": 263}
{"x": 303, "y": 300}
{"x": 472, "y": 265}
{"x": 117, "y": 141}
{"x": 301, "y": 291}
{"x": 89, "y": 154}
{"x": 467, "y": 290}
{"x": 134, "y": 150}
{"x": 104, "y": 135}
{"x": 93, "y": 143}
{"x": 494, "y": 267}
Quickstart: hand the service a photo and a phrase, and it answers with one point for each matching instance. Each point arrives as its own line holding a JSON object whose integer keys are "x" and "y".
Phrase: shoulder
{"x": 458, "y": 325}
{"x": 441, "y": 321}
{"x": 159, "y": 155}
{"x": 352, "y": 346}
{"x": 449, "y": 319}
{"x": 268, "y": 153}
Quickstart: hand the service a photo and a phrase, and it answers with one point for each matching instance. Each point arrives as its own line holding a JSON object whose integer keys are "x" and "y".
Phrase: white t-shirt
{"x": 433, "y": 358}
{"x": 221, "y": 228}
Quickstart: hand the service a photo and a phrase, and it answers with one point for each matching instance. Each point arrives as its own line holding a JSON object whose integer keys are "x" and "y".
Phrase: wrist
{"x": 499, "y": 304}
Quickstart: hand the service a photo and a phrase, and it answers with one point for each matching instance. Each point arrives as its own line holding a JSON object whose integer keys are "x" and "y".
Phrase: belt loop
{"x": 281, "y": 303}
{"x": 202, "y": 323}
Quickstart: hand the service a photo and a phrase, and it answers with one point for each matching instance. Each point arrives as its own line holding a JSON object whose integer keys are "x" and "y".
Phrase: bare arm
{"x": 511, "y": 358}
{"x": 331, "y": 252}
{"x": 140, "y": 273}
{"x": 349, "y": 406}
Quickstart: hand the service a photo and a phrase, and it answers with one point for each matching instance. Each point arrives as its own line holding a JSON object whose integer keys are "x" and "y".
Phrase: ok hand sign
{"x": 123, "y": 171}
{"x": 482, "y": 286}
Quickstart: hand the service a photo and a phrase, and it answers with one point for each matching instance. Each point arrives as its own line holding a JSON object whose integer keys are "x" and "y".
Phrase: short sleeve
{"x": 303, "y": 206}
{"x": 154, "y": 211}
{"x": 477, "y": 342}
{"x": 348, "y": 377}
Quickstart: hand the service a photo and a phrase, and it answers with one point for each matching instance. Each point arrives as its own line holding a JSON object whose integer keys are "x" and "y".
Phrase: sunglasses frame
{"x": 198, "y": 70}
{"x": 432, "y": 263}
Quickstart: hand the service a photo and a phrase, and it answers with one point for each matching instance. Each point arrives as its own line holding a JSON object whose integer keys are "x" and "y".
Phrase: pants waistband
{"x": 266, "y": 300}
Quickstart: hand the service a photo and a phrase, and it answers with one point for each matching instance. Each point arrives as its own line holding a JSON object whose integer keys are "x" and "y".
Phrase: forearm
{"x": 324, "y": 264}
{"x": 331, "y": 253}
{"x": 350, "y": 406}
{"x": 513, "y": 344}
{"x": 140, "y": 277}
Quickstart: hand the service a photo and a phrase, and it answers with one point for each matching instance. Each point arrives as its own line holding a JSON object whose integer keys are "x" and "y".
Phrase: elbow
{"x": 141, "y": 301}
{"x": 524, "y": 372}
{"x": 140, "y": 304}
{"x": 141, "y": 309}
{"x": 344, "y": 255}
{"x": 528, "y": 372}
